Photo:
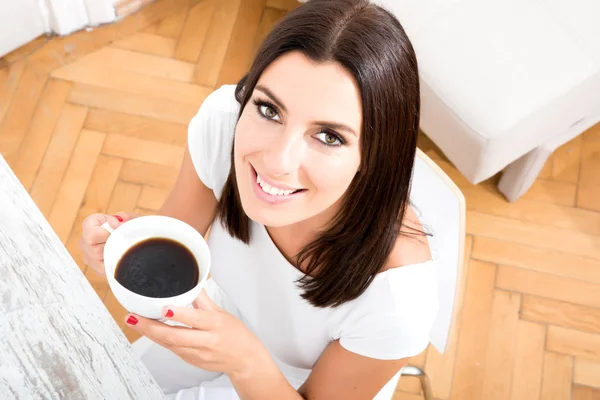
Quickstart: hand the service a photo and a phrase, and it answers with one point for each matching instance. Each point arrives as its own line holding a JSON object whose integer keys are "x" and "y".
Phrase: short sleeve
{"x": 394, "y": 318}
{"x": 210, "y": 137}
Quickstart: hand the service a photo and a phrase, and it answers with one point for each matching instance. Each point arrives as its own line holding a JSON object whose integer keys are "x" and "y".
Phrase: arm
{"x": 339, "y": 374}
{"x": 190, "y": 200}
{"x": 220, "y": 342}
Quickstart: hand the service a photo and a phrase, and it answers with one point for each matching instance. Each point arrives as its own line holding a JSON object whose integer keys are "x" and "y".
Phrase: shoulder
{"x": 393, "y": 318}
{"x": 412, "y": 246}
{"x": 210, "y": 137}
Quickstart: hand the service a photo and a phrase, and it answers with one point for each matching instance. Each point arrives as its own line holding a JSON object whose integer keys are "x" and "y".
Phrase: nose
{"x": 285, "y": 154}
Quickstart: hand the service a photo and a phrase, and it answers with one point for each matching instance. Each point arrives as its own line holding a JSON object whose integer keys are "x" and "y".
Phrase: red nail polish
{"x": 119, "y": 218}
{"x": 132, "y": 320}
{"x": 169, "y": 314}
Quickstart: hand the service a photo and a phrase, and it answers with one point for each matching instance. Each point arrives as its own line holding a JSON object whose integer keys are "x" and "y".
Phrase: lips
{"x": 274, "y": 190}
{"x": 270, "y": 192}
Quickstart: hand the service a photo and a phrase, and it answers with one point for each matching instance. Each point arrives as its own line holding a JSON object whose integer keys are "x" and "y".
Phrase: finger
{"x": 194, "y": 317}
{"x": 171, "y": 336}
{"x": 125, "y": 216}
{"x": 93, "y": 253}
{"x": 204, "y": 302}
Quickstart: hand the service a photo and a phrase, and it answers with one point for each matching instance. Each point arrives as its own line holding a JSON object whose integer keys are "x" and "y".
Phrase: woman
{"x": 305, "y": 167}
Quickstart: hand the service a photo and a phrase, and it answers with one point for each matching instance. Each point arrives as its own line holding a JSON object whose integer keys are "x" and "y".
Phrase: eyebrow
{"x": 324, "y": 124}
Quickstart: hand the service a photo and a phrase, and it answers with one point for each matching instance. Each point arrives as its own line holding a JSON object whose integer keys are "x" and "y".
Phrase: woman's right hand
{"x": 93, "y": 237}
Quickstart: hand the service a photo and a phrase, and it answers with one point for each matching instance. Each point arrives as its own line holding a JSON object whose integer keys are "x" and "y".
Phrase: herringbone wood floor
{"x": 96, "y": 122}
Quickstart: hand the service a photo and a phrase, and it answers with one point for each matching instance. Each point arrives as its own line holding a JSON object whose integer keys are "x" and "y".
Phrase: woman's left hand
{"x": 217, "y": 341}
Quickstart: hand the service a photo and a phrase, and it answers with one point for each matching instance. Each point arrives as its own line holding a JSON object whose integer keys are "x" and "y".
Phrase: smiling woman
{"x": 303, "y": 172}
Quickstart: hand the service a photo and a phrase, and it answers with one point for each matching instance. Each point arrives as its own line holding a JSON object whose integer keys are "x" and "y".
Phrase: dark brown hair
{"x": 370, "y": 43}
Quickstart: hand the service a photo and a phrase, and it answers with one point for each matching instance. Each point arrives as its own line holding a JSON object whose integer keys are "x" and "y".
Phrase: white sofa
{"x": 504, "y": 82}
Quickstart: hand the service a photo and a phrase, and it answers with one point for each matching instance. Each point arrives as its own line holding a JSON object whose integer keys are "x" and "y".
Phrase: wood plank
{"x": 553, "y": 192}
{"x": 585, "y": 393}
{"x": 240, "y": 51}
{"x": 593, "y": 133}
{"x": 56, "y": 159}
{"x": 142, "y": 211}
{"x": 21, "y": 53}
{"x": 150, "y": 29}
{"x": 558, "y": 372}
{"x": 560, "y": 313}
{"x": 144, "y": 64}
{"x": 531, "y": 234}
{"x": 172, "y": 26}
{"x": 57, "y": 339}
{"x": 114, "y": 100}
{"x": 64, "y": 50}
{"x": 587, "y": 372}
{"x": 474, "y": 331}
{"x": 21, "y": 109}
{"x": 565, "y": 167}
{"x": 401, "y": 395}
{"x": 72, "y": 189}
{"x": 148, "y": 44}
{"x": 136, "y": 127}
{"x": 217, "y": 40}
{"x": 588, "y": 194}
{"x": 35, "y": 143}
{"x": 440, "y": 367}
{"x": 529, "y": 361}
{"x": 126, "y": 7}
{"x": 124, "y": 197}
{"x": 152, "y": 198}
{"x": 148, "y": 174}
{"x": 131, "y": 82}
{"x": 573, "y": 342}
{"x": 95, "y": 200}
{"x": 285, "y": 5}
{"x": 551, "y": 261}
{"x": 143, "y": 150}
{"x": 546, "y": 172}
{"x": 501, "y": 347}
{"x": 482, "y": 199}
{"x": 194, "y": 31}
{"x": 545, "y": 285}
{"x": 9, "y": 82}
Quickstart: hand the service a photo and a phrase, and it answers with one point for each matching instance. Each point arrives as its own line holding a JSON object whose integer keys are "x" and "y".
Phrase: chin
{"x": 269, "y": 217}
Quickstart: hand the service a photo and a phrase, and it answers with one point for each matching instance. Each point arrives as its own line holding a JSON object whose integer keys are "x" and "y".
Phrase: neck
{"x": 291, "y": 239}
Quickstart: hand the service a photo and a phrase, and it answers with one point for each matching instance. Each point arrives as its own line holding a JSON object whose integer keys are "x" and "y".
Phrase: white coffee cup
{"x": 137, "y": 230}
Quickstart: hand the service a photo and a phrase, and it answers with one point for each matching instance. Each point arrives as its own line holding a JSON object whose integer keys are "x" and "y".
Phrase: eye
{"x": 330, "y": 139}
{"x": 267, "y": 111}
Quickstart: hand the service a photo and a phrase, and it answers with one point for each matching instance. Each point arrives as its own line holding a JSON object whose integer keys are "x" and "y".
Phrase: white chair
{"x": 442, "y": 205}
{"x": 504, "y": 82}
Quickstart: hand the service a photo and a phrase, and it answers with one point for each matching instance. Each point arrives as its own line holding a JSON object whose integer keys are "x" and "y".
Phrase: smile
{"x": 271, "y": 192}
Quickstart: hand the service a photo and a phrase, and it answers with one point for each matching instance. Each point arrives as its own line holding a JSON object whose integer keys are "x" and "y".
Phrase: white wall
{"x": 20, "y": 22}
{"x": 23, "y": 20}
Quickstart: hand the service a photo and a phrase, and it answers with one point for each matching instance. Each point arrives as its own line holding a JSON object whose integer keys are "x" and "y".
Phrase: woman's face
{"x": 297, "y": 141}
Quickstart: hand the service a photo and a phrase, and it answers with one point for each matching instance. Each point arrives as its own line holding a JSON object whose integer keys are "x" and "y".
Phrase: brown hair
{"x": 370, "y": 43}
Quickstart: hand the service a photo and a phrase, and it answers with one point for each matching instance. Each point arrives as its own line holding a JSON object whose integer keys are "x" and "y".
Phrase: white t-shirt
{"x": 392, "y": 319}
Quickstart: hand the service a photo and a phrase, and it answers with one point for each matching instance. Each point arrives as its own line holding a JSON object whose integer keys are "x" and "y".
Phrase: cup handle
{"x": 107, "y": 227}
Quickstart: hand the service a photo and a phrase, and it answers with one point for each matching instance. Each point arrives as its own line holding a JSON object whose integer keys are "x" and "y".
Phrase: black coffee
{"x": 158, "y": 268}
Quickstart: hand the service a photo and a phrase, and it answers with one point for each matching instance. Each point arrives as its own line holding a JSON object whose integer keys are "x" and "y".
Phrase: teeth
{"x": 273, "y": 191}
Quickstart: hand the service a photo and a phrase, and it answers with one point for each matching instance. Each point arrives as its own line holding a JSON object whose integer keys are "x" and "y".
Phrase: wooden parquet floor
{"x": 96, "y": 122}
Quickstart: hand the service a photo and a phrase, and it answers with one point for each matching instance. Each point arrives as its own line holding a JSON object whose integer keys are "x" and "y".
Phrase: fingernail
{"x": 118, "y": 217}
{"x": 169, "y": 314}
{"x": 132, "y": 320}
